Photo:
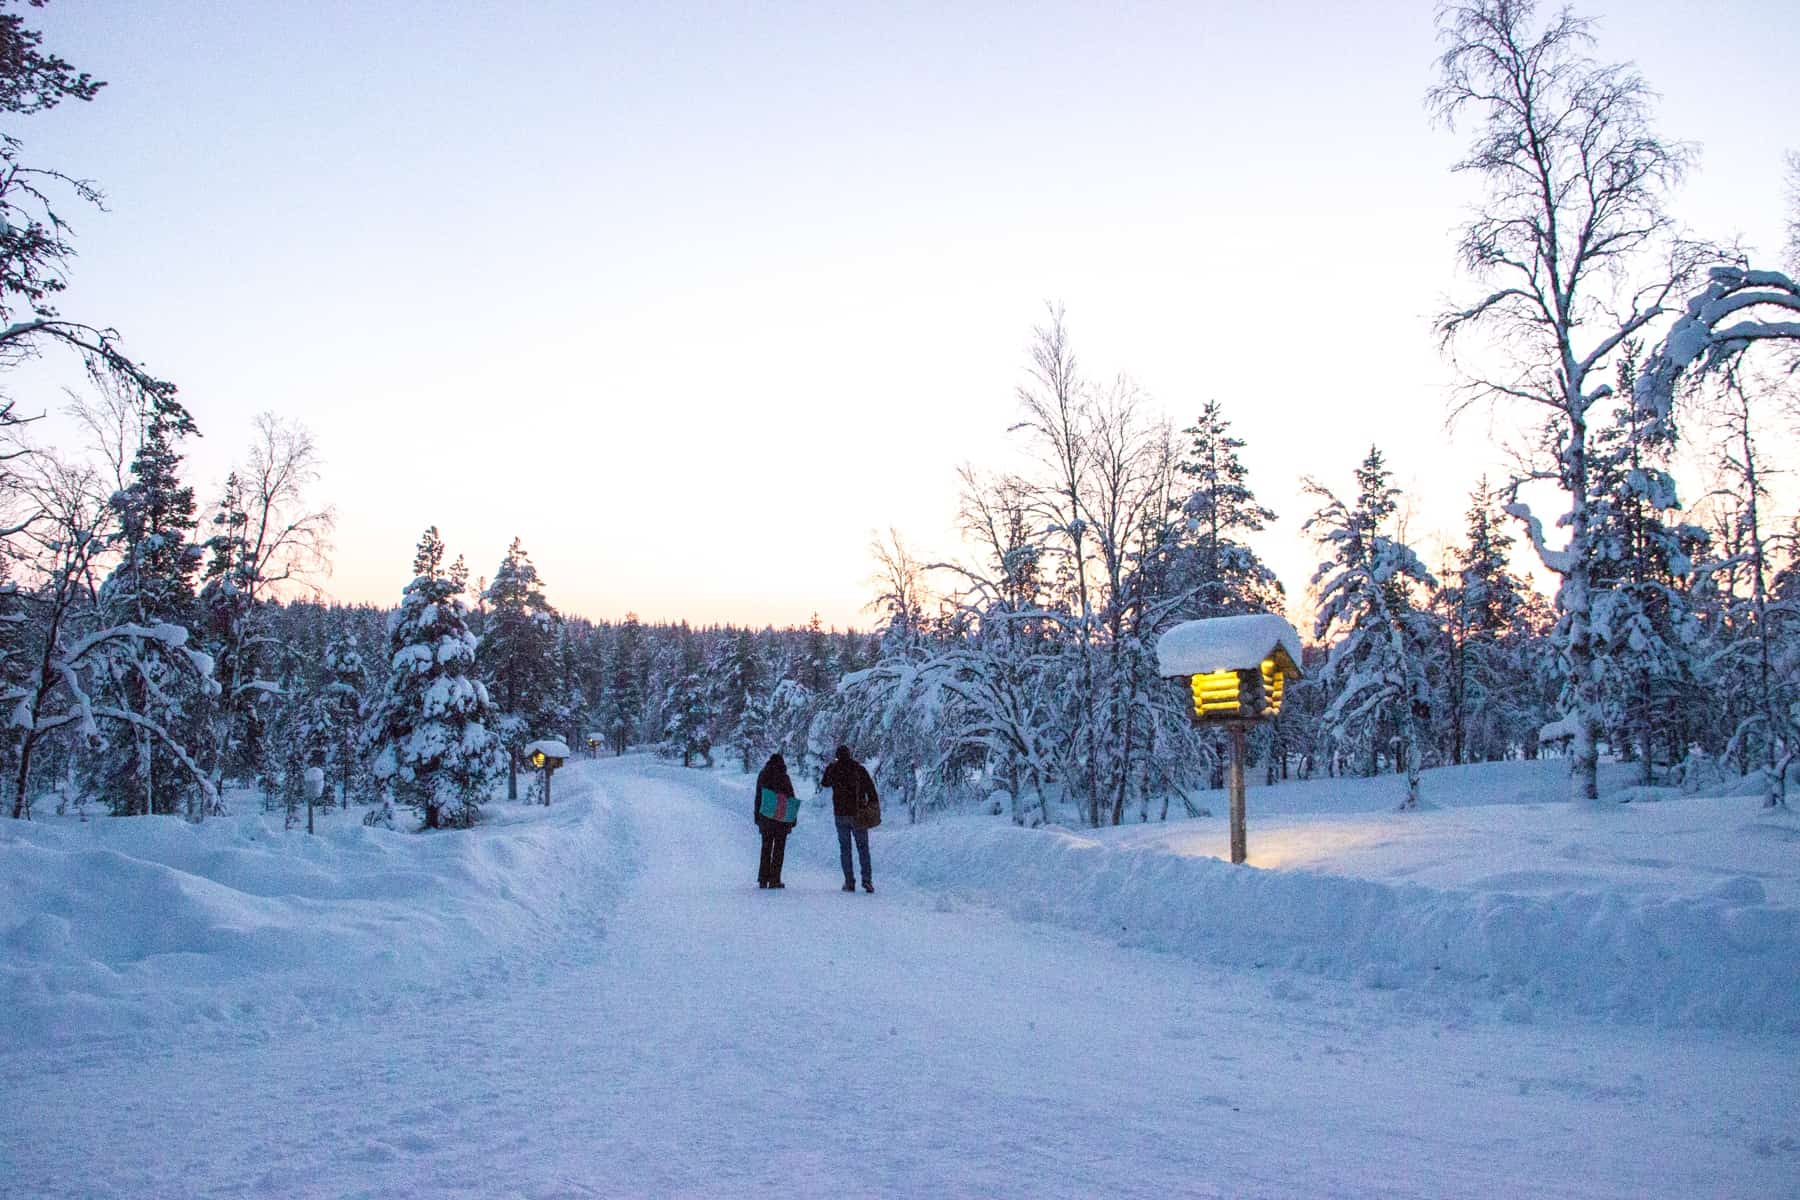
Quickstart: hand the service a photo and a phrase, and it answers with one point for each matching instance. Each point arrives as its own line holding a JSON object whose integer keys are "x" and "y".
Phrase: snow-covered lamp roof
{"x": 549, "y": 748}
{"x": 1227, "y": 644}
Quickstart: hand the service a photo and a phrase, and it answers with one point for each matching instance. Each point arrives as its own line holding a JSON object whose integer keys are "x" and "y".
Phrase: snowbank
{"x": 117, "y": 925}
{"x": 1726, "y": 958}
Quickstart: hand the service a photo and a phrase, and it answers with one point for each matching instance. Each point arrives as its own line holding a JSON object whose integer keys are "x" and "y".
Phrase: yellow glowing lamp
{"x": 1246, "y": 694}
{"x": 1274, "y": 683}
{"x": 1237, "y": 668}
{"x": 546, "y": 755}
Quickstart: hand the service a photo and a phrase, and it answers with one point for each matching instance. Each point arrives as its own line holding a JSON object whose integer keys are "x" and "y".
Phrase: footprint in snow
{"x": 373, "y": 1152}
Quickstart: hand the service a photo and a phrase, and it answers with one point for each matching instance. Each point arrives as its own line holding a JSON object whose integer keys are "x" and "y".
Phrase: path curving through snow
{"x": 711, "y": 1039}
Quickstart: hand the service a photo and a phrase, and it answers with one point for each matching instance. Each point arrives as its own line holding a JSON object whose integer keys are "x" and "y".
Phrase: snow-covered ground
{"x": 595, "y": 1000}
{"x": 1681, "y": 911}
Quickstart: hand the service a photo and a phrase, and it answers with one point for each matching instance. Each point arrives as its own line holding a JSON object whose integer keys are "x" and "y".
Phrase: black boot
{"x": 868, "y": 887}
{"x": 849, "y": 885}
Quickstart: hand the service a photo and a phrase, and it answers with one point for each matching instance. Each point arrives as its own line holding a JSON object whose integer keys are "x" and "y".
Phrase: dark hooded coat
{"x": 773, "y": 776}
{"x": 850, "y": 784}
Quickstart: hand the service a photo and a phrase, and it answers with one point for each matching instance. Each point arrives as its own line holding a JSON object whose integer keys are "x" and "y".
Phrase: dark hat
{"x": 843, "y": 752}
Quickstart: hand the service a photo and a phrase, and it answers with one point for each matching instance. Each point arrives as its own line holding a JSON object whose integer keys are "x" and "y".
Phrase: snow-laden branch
{"x": 1701, "y": 341}
{"x": 1559, "y": 561}
{"x": 174, "y": 746}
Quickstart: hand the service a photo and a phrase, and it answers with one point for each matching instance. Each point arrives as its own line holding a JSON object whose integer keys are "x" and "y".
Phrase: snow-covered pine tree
{"x": 1214, "y": 561}
{"x": 571, "y": 708}
{"x": 145, "y": 763}
{"x": 691, "y": 718}
{"x": 1486, "y": 703}
{"x": 818, "y": 670}
{"x": 667, "y": 663}
{"x": 624, "y": 690}
{"x": 1643, "y": 566}
{"x": 791, "y": 712}
{"x": 751, "y": 734}
{"x": 338, "y": 711}
{"x": 517, "y": 658}
{"x": 741, "y": 690}
{"x": 302, "y": 742}
{"x": 689, "y": 704}
{"x": 433, "y": 728}
{"x": 1366, "y": 603}
{"x": 227, "y": 610}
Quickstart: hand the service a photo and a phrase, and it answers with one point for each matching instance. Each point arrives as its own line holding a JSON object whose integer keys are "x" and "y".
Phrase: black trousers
{"x": 774, "y": 847}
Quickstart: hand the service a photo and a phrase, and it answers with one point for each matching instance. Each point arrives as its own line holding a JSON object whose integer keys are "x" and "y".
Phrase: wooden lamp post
{"x": 1235, "y": 670}
{"x": 546, "y": 756}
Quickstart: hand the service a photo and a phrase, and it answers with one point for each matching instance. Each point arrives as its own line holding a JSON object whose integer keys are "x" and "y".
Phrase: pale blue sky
{"x": 693, "y": 299}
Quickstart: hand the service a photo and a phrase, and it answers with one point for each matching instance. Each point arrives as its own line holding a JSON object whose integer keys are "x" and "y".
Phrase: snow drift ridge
{"x": 1725, "y": 959}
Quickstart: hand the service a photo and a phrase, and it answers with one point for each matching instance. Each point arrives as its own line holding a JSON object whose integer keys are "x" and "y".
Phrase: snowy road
{"x": 716, "y": 1040}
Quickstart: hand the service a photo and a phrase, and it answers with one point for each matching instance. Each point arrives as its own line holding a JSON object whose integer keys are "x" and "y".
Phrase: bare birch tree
{"x": 1054, "y": 401}
{"x": 1578, "y": 253}
{"x": 268, "y": 536}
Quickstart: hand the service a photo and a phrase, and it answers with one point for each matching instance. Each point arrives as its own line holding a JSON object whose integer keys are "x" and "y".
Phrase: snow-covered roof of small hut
{"x": 549, "y": 748}
{"x": 1225, "y": 644}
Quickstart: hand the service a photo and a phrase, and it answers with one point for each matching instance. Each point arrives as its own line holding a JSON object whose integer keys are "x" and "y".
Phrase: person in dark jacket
{"x": 773, "y": 776}
{"x": 850, "y": 785}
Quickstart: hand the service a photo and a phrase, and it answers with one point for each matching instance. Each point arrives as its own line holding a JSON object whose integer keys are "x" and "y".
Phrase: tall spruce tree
{"x": 624, "y": 690}
{"x": 433, "y": 730}
{"x": 818, "y": 668}
{"x": 1643, "y": 626}
{"x": 517, "y": 654}
{"x": 1481, "y": 609}
{"x": 1215, "y": 561}
{"x": 144, "y": 765}
{"x": 228, "y": 611}
{"x": 688, "y": 705}
{"x": 1366, "y": 602}
{"x": 690, "y": 722}
{"x": 740, "y": 678}
{"x": 339, "y": 707}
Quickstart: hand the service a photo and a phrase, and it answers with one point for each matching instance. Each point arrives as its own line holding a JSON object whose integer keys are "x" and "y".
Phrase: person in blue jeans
{"x": 850, "y": 786}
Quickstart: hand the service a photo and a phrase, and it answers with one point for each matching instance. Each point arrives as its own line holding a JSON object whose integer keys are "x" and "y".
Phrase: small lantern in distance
{"x": 546, "y": 756}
